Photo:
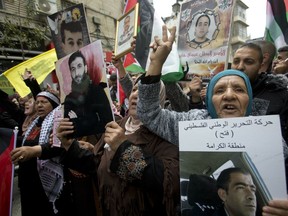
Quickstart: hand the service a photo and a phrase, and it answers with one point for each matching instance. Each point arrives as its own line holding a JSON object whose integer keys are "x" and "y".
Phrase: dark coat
{"x": 155, "y": 192}
{"x": 93, "y": 110}
{"x": 270, "y": 97}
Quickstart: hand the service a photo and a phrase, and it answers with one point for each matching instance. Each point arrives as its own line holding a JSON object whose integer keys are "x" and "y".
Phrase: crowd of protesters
{"x": 133, "y": 167}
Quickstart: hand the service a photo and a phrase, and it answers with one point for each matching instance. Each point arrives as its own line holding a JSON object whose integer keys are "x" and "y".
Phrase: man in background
{"x": 280, "y": 64}
{"x": 270, "y": 94}
{"x": 268, "y": 52}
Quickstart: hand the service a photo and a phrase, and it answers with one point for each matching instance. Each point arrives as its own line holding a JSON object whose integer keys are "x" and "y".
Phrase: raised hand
{"x": 203, "y": 93}
{"x": 161, "y": 47}
{"x": 116, "y": 62}
{"x": 27, "y": 75}
{"x": 119, "y": 65}
{"x": 195, "y": 86}
{"x": 51, "y": 90}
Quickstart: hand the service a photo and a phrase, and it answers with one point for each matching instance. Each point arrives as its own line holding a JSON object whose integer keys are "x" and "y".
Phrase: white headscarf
{"x": 132, "y": 124}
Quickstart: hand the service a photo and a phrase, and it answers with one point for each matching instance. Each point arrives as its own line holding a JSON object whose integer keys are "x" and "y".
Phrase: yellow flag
{"x": 40, "y": 66}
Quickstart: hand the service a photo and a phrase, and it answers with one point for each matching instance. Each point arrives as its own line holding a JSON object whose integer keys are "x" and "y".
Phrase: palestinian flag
{"x": 151, "y": 26}
{"x": 130, "y": 63}
{"x": 7, "y": 143}
{"x": 277, "y": 22}
{"x": 129, "y": 5}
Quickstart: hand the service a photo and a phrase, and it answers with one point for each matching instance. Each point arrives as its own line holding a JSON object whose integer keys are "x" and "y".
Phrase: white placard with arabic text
{"x": 259, "y": 136}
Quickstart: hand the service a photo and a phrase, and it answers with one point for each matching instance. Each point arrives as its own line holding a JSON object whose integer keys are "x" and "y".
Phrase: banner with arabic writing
{"x": 207, "y": 147}
{"x": 203, "y": 36}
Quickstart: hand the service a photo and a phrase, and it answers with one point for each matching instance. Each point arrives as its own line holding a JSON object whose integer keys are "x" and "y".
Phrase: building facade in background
{"x": 101, "y": 15}
{"x": 102, "y": 18}
{"x": 239, "y": 27}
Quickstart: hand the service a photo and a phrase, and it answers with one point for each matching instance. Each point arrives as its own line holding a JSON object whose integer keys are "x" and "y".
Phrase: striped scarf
{"x": 50, "y": 171}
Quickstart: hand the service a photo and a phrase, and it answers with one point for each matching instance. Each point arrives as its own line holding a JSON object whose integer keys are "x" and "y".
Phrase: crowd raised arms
{"x": 132, "y": 168}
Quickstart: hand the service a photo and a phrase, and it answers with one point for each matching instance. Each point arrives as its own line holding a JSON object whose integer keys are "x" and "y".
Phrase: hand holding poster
{"x": 126, "y": 30}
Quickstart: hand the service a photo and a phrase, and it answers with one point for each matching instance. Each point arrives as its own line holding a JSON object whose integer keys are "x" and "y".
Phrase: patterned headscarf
{"x": 53, "y": 99}
{"x": 50, "y": 171}
{"x": 214, "y": 80}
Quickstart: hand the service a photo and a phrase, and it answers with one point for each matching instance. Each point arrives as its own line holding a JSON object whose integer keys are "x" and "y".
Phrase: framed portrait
{"x": 125, "y": 31}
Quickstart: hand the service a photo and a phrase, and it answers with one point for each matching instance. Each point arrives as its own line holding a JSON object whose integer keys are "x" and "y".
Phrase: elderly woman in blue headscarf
{"x": 229, "y": 94}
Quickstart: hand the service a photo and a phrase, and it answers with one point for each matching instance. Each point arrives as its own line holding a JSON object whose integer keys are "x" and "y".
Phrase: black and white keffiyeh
{"x": 50, "y": 171}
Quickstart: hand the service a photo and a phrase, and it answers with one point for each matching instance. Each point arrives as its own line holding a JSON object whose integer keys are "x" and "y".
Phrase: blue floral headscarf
{"x": 214, "y": 80}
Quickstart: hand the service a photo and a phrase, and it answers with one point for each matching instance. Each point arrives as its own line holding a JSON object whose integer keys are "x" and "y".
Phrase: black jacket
{"x": 93, "y": 110}
{"x": 270, "y": 97}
